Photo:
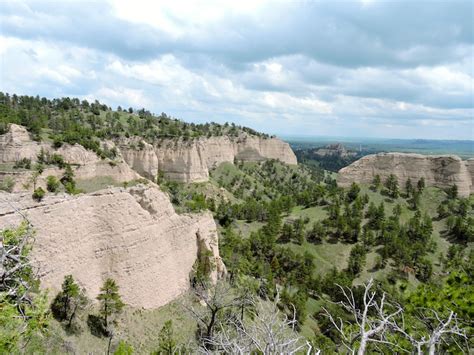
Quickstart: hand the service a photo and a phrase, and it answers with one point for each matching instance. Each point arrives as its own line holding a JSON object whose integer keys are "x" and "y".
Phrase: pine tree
{"x": 71, "y": 299}
{"x": 110, "y": 300}
{"x": 166, "y": 339}
{"x": 408, "y": 187}
{"x": 421, "y": 184}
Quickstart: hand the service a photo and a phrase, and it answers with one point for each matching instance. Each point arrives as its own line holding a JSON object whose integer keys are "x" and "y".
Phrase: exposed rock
{"x": 190, "y": 161}
{"x": 438, "y": 170}
{"x": 178, "y": 159}
{"x": 17, "y": 144}
{"x": 334, "y": 150}
{"x": 132, "y": 235}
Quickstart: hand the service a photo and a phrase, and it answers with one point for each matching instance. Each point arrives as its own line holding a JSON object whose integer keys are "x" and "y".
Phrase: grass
{"x": 326, "y": 255}
{"x": 315, "y": 213}
{"x": 8, "y": 168}
{"x": 97, "y": 183}
{"x": 138, "y": 327}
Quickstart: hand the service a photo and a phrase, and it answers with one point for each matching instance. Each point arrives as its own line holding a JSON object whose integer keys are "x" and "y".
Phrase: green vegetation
{"x": 24, "y": 318}
{"x": 38, "y": 194}
{"x": 70, "y": 120}
{"x": 296, "y": 246}
{"x": 7, "y": 184}
{"x": 110, "y": 301}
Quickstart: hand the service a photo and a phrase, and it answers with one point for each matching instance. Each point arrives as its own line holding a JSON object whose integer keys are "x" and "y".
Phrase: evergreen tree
{"x": 68, "y": 301}
{"x": 377, "y": 182}
{"x": 356, "y": 260}
{"x": 166, "y": 340}
{"x": 421, "y": 184}
{"x": 452, "y": 192}
{"x": 110, "y": 300}
{"x": 408, "y": 187}
{"x": 392, "y": 186}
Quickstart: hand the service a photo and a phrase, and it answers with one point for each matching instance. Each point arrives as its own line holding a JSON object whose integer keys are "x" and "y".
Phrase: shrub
{"x": 7, "y": 184}
{"x": 38, "y": 194}
{"x": 52, "y": 183}
{"x": 24, "y": 163}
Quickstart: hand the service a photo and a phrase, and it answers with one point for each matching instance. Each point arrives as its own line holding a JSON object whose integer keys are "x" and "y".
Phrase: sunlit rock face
{"x": 190, "y": 161}
{"x": 132, "y": 235}
{"x": 441, "y": 171}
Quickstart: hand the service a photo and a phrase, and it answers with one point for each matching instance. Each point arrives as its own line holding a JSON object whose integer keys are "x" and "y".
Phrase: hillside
{"x": 201, "y": 227}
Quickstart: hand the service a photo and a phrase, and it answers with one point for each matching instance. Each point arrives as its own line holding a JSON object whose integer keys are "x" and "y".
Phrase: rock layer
{"x": 132, "y": 235}
{"x": 441, "y": 171}
{"x": 190, "y": 161}
{"x": 16, "y": 144}
{"x": 178, "y": 159}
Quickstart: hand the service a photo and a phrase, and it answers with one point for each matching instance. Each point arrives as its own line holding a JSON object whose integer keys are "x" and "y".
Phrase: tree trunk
{"x": 363, "y": 345}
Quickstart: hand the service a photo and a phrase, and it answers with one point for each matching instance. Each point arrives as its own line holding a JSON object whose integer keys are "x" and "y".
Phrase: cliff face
{"x": 132, "y": 235}
{"x": 179, "y": 160}
{"x": 190, "y": 161}
{"x": 438, "y": 170}
{"x": 16, "y": 144}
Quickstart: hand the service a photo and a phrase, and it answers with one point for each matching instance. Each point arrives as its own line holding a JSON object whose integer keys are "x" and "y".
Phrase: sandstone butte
{"x": 441, "y": 171}
{"x": 134, "y": 234}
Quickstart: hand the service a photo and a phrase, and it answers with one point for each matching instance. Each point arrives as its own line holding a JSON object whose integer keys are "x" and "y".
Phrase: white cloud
{"x": 313, "y": 68}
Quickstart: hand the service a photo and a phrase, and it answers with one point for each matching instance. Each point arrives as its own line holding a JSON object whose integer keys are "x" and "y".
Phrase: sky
{"x": 371, "y": 68}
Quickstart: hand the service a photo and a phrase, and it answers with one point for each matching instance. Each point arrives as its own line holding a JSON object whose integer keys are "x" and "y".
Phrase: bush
{"x": 7, "y": 184}
{"x": 38, "y": 194}
{"x": 24, "y": 163}
{"x": 52, "y": 183}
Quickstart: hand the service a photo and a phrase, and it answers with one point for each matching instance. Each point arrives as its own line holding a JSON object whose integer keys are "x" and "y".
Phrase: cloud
{"x": 310, "y": 67}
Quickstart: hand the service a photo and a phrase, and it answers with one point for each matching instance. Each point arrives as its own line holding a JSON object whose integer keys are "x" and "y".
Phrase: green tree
{"x": 52, "y": 183}
{"x": 353, "y": 192}
{"x": 68, "y": 178}
{"x": 377, "y": 182}
{"x": 166, "y": 340}
{"x": 408, "y": 187}
{"x": 421, "y": 184}
{"x": 392, "y": 186}
{"x": 452, "y": 192}
{"x": 110, "y": 300}
{"x": 24, "y": 315}
{"x": 356, "y": 260}
{"x": 123, "y": 348}
{"x": 68, "y": 301}
{"x": 38, "y": 194}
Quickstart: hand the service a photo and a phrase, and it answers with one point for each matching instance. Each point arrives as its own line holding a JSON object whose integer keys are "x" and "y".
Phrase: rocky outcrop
{"x": 16, "y": 144}
{"x": 178, "y": 159}
{"x": 441, "y": 171}
{"x": 132, "y": 235}
{"x": 190, "y": 161}
{"x": 334, "y": 150}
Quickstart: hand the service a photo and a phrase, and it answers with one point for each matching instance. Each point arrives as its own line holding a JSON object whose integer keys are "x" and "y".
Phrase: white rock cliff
{"x": 132, "y": 235}
{"x": 190, "y": 161}
{"x": 441, "y": 171}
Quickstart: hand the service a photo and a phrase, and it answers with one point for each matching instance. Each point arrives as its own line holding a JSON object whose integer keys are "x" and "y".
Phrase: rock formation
{"x": 334, "y": 150}
{"x": 190, "y": 161}
{"x": 16, "y": 144}
{"x": 132, "y": 235}
{"x": 441, "y": 171}
{"x": 179, "y": 160}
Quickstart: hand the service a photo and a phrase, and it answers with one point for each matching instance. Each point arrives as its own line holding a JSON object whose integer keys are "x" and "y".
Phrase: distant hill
{"x": 330, "y": 157}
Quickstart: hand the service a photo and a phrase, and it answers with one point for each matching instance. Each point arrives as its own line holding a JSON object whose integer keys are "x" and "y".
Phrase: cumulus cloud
{"x": 367, "y": 68}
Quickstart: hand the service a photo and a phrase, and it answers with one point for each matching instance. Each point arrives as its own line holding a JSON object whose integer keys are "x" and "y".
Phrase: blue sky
{"x": 372, "y": 68}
